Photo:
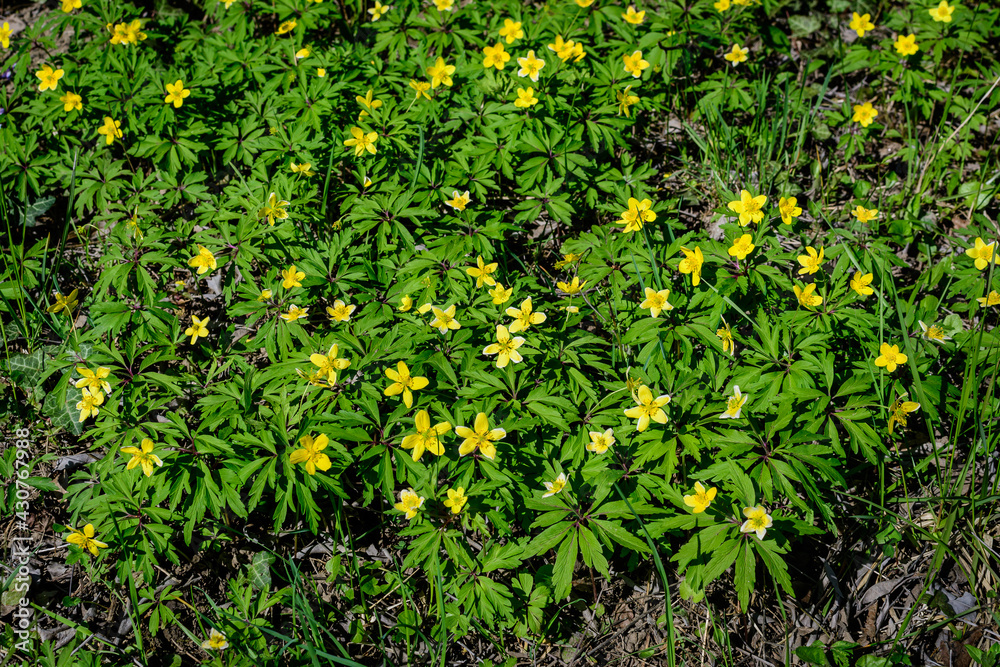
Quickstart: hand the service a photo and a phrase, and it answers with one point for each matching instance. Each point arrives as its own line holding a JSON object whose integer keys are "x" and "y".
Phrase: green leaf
{"x": 259, "y": 572}
{"x": 562, "y": 572}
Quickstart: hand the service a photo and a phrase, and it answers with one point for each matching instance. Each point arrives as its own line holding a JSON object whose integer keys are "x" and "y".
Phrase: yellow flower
{"x": 725, "y": 334}
{"x": 942, "y": 13}
{"x": 440, "y": 73}
{"x": 638, "y": 213}
{"x": 456, "y": 499}
{"x": 445, "y": 319}
{"x": 49, "y": 78}
{"x": 811, "y": 261}
{"x": 321, "y": 72}
{"x": 865, "y": 214}
{"x": 362, "y": 142}
{"x": 403, "y": 383}
{"x": 860, "y": 283}
{"x": 898, "y": 411}
{"x": 656, "y": 301}
{"x": 133, "y": 33}
{"x": 88, "y": 405}
{"x": 368, "y": 102}
{"x": 600, "y": 442}
{"x": 295, "y": 313}
{"x": 524, "y": 317}
{"x": 459, "y": 201}
{"x": 329, "y": 364}
{"x": 94, "y": 379}
{"x": 906, "y": 45}
{"x": 482, "y": 438}
{"x": 304, "y": 52}
{"x": 482, "y": 272}
{"x": 634, "y": 64}
{"x": 737, "y": 55}
{"x": 625, "y": 100}
{"x": 409, "y": 502}
{"x": 530, "y": 66}
{"x": 427, "y": 437}
{"x": 890, "y": 357}
{"x": 634, "y": 17}
{"x": 758, "y": 521}
{"x": 405, "y": 303}
{"x": 286, "y": 27}
{"x": 574, "y": 287}
{"x": 555, "y": 486}
{"x": 198, "y": 329}
{"x": 571, "y": 258}
{"x": 176, "y": 93}
{"x": 5, "y": 35}
{"x": 378, "y": 11}
{"x": 265, "y": 295}
{"x": 292, "y": 277}
{"x": 85, "y": 539}
{"x": 511, "y": 30}
{"x": 734, "y": 404}
{"x": 500, "y": 295}
{"x": 204, "y": 260}
{"x": 992, "y": 299}
{"x": 495, "y": 56}
{"x": 806, "y": 297}
{"x": 421, "y": 88}
{"x": 648, "y": 408}
{"x": 274, "y": 209}
{"x": 701, "y": 499}
{"x": 70, "y": 5}
{"x": 445, "y": 5}
{"x": 505, "y": 348}
{"x": 119, "y": 33}
{"x": 340, "y": 311}
{"x": 982, "y": 253}
{"x": 721, "y": 5}
{"x": 144, "y": 457}
{"x": 864, "y": 114}
{"x": 71, "y": 101}
{"x": 525, "y": 98}
{"x": 742, "y": 247}
{"x": 692, "y": 263}
{"x": 310, "y": 453}
{"x": 788, "y": 209}
{"x": 110, "y": 130}
{"x": 67, "y": 303}
{"x": 748, "y": 207}
{"x": 305, "y": 168}
{"x": 583, "y": 4}
{"x": 216, "y": 640}
{"x": 861, "y": 24}
{"x": 933, "y": 332}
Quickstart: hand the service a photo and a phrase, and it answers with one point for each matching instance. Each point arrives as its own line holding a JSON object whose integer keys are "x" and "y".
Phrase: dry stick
{"x": 923, "y": 172}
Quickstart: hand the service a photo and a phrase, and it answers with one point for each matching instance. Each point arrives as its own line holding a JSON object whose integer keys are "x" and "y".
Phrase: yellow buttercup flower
{"x": 860, "y": 283}
{"x": 176, "y": 93}
{"x": 638, "y": 213}
{"x": 656, "y": 301}
{"x": 734, "y": 404}
{"x": 340, "y": 311}
{"x": 204, "y": 260}
{"x": 361, "y": 141}
{"x": 906, "y": 45}
{"x": 648, "y": 408}
{"x": 495, "y": 56}
{"x": 286, "y": 27}
{"x": 216, "y": 640}
{"x": 890, "y": 357}
{"x": 525, "y": 98}
{"x": 748, "y": 208}
{"x": 742, "y": 247}
{"x": 898, "y": 411}
{"x": 404, "y": 383}
{"x": 445, "y": 5}
{"x": 482, "y": 438}
{"x": 500, "y": 295}
{"x": 420, "y": 88}
{"x": 574, "y": 287}
{"x": 811, "y": 261}
{"x": 71, "y": 101}
{"x": 444, "y": 319}
{"x": 991, "y": 299}
{"x": 737, "y": 55}
{"x": 570, "y": 258}
{"x": 758, "y": 520}
{"x": 409, "y": 502}
{"x": 524, "y": 317}
{"x": 865, "y": 214}
{"x": 85, "y": 539}
{"x": 806, "y": 297}
{"x": 864, "y": 114}
{"x": 458, "y": 200}
{"x": 94, "y": 380}
{"x": 440, "y": 73}
{"x": 982, "y": 253}
{"x": 110, "y": 130}
{"x": 67, "y": 303}
{"x": 555, "y": 486}
{"x": 329, "y": 364}
{"x": 89, "y": 404}
{"x": 600, "y": 442}
{"x": 198, "y": 329}
{"x": 456, "y": 499}
{"x": 692, "y": 263}
{"x": 701, "y": 499}
{"x": 292, "y": 277}
{"x": 482, "y": 272}
{"x": 427, "y": 437}
{"x": 725, "y": 334}
{"x": 788, "y": 209}
{"x": 505, "y": 348}
{"x": 942, "y": 13}
{"x": 143, "y": 456}
{"x": 933, "y": 333}
{"x": 274, "y": 209}
{"x": 378, "y": 11}
{"x": 70, "y": 5}
{"x": 721, "y": 5}
{"x": 305, "y": 168}
{"x": 634, "y": 64}
{"x": 861, "y": 23}
{"x": 310, "y": 453}
{"x": 511, "y": 30}
{"x": 295, "y": 313}
{"x": 634, "y": 17}
{"x": 49, "y": 78}
{"x": 530, "y": 66}
{"x": 626, "y": 99}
